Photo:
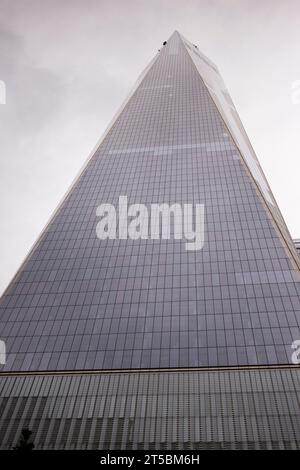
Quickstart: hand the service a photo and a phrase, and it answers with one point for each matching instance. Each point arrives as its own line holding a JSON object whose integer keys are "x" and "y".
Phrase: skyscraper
{"x": 141, "y": 342}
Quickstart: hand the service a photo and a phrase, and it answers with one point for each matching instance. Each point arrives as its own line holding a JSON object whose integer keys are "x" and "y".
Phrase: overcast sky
{"x": 68, "y": 65}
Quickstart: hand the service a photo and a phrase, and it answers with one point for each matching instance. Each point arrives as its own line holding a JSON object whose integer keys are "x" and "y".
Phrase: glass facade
{"x": 226, "y": 409}
{"x": 83, "y": 304}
